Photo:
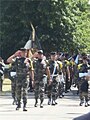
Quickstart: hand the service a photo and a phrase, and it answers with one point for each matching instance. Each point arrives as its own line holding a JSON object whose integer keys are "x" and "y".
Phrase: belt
{"x": 54, "y": 75}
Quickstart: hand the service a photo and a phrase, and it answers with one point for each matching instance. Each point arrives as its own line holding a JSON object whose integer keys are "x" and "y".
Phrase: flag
{"x": 76, "y": 59}
{"x": 33, "y": 41}
{"x": 28, "y": 44}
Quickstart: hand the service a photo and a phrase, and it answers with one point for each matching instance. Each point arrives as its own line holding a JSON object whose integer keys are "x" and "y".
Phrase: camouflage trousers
{"x": 21, "y": 89}
{"x": 39, "y": 89}
{"x": 60, "y": 88}
{"x": 53, "y": 90}
{"x": 13, "y": 87}
{"x": 79, "y": 85}
{"x": 82, "y": 94}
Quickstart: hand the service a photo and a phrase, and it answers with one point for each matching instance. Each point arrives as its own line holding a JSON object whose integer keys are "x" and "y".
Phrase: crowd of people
{"x": 52, "y": 75}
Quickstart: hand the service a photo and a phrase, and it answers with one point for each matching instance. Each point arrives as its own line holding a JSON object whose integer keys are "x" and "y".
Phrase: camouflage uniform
{"x": 61, "y": 81}
{"x": 66, "y": 72}
{"x": 39, "y": 75}
{"x": 21, "y": 82}
{"x": 83, "y": 85}
{"x": 72, "y": 71}
{"x": 53, "y": 87}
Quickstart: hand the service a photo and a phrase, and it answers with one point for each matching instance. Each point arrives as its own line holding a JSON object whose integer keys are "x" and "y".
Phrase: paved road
{"x": 66, "y": 109}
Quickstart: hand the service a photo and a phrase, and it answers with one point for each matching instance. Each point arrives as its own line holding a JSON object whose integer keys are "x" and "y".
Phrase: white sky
{"x": 89, "y": 2}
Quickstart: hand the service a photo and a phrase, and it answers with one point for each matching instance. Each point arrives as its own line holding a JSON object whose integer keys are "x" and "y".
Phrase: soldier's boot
{"x": 14, "y": 101}
{"x": 36, "y": 101}
{"x": 81, "y": 102}
{"x": 86, "y": 103}
{"x": 53, "y": 99}
{"x": 54, "y": 102}
{"x": 24, "y": 107}
{"x": 49, "y": 101}
{"x": 18, "y": 106}
{"x": 41, "y": 104}
{"x": 62, "y": 95}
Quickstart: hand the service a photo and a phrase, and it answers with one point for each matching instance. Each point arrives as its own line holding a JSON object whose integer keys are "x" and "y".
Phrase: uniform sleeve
{"x": 60, "y": 64}
{"x": 79, "y": 66}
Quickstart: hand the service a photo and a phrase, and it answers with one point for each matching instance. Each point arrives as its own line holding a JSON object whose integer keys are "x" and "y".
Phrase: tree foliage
{"x": 61, "y": 25}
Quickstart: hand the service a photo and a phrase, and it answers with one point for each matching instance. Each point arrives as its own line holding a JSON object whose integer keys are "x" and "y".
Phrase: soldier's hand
{"x": 68, "y": 78}
{"x": 50, "y": 81}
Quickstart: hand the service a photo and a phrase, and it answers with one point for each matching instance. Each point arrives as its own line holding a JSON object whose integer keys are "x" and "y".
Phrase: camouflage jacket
{"x": 21, "y": 67}
{"x": 39, "y": 68}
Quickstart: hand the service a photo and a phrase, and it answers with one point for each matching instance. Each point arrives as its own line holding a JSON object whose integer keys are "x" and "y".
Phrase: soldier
{"x": 83, "y": 82}
{"x": 66, "y": 72}
{"x": 61, "y": 81}
{"x": 2, "y": 66}
{"x": 54, "y": 72}
{"x": 40, "y": 72}
{"x": 22, "y": 70}
{"x": 61, "y": 77}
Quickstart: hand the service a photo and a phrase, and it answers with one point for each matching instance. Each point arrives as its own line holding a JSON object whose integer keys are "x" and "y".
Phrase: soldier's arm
{"x": 32, "y": 72}
{"x": 68, "y": 72}
{"x": 10, "y": 59}
{"x": 60, "y": 67}
{"x": 48, "y": 74}
{"x": 32, "y": 75}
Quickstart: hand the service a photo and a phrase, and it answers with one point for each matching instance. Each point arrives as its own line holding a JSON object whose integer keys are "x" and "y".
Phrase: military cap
{"x": 84, "y": 57}
{"x": 53, "y": 53}
{"x": 22, "y": 49}
{"x": 84, "y": 54}
{"x": 40, "y": 51}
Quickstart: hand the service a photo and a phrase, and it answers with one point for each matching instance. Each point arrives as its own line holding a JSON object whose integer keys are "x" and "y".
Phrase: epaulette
{"x": 67, "y": 62}
{"x": 60, "y": 64}
{"x": 72, "y": 63}
{"x": 79, "y": 66}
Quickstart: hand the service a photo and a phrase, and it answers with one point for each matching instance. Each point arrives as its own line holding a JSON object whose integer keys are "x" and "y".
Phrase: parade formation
{"x": 44, "y": 59}
{"x": 51, "y": 75}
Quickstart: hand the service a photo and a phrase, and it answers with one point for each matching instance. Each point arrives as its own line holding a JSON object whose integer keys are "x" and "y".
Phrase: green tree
{"x": 81, "y": 35}
{"x": 61, "y": 25}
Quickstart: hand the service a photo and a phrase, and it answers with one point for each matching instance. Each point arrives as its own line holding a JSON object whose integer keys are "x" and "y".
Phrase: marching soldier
{"x": 61, "y": 80}
{"x": 83, "y": 82}
{"x": 61, "y": 77}
{"x": 66, "y": 72}
{"x": 40, "y": 72}
{"x": 53, "y": 86}
{"x": 22, "y": 65}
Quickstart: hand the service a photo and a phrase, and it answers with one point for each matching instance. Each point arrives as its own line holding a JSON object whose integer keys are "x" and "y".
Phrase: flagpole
{"x": 33, "y": 34}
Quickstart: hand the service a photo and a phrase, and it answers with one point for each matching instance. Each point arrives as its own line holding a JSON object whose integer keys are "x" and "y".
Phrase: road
{"x": 66, "y": 109}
